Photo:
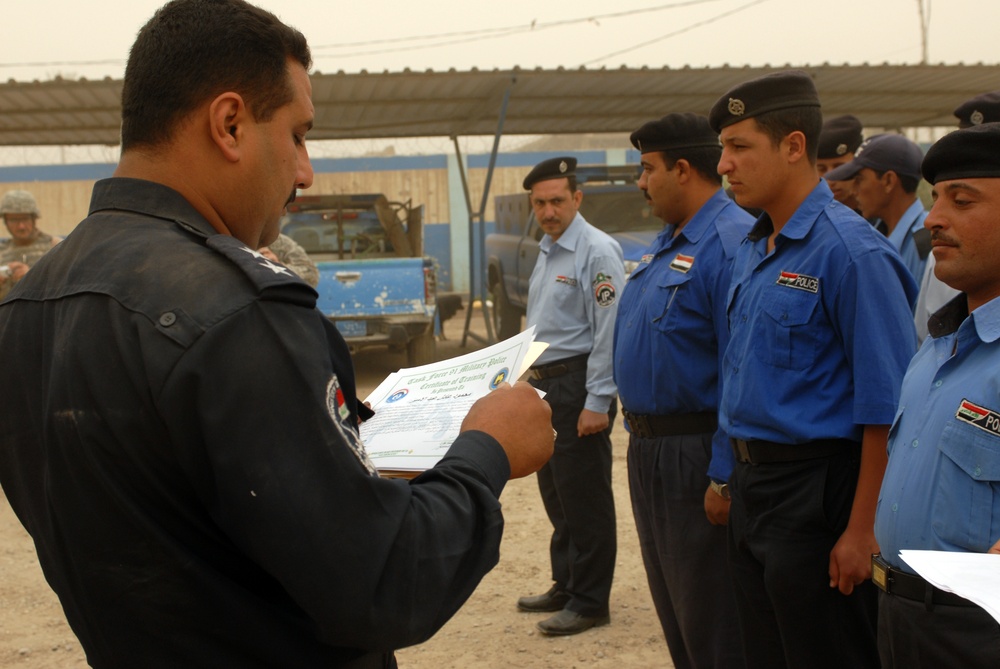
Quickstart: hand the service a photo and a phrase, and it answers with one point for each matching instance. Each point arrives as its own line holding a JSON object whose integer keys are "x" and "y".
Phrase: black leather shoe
{"x": 568, "y": 622}
{"x": 553, "y": 600}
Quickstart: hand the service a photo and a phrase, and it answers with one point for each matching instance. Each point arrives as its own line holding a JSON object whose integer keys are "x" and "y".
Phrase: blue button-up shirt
{"x": 821, "y": 329}
{"x": 902, "y": 239}
{"x": 572, "y": 302}
{"x": 941, "y": 489}
{"x": 671, "y": 326}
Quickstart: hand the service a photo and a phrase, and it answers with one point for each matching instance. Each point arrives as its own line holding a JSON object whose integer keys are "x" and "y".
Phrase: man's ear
{"x": 227, "y": 117}
{"x": 796, "y": 143}
{"x": 683, "y": 169}
{"x": 889, "y": 180}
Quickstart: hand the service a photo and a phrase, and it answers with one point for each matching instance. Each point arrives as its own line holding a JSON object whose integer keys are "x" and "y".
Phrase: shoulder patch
{"x": 604, "y": 290}
{"x": 268, "y": 276}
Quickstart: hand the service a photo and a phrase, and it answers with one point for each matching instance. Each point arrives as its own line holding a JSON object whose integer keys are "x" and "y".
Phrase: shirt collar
{"x": 801, "y": 222}
{"x": 949, "y": 318}
{"x": 569, "y": 237}
{"x": 705, "y": 216}
{"x": 150, "y": 199}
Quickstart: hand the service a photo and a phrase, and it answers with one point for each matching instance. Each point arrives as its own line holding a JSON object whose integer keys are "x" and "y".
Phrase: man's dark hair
{"x": 193, "y": 50}
{"x": 779, "y": 123}
{"x": 703, "y": 159}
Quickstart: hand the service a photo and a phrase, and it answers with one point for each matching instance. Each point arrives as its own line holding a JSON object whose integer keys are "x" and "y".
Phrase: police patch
{"x": 604, "y": 290}
{"x": 682, "y": 263}
{"x": 799, "y": 281}
{"x": 981, "y": 417}
{"x": 339, "y": 414}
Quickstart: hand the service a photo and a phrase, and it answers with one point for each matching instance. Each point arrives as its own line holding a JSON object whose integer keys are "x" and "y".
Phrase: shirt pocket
{"x": 665, "y": 310}
{"x": 787, "y": 338}
{"x": 965, "y": 494}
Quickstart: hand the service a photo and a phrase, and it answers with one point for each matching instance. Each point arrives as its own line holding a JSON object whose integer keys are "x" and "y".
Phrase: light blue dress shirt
{"x": 941, "y": 489}
{"x": 573, "y": 296}
{"x": 902, "y": 240}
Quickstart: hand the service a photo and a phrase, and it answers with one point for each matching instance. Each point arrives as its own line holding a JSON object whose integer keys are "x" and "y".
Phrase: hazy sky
{"x": 44, "y": 38}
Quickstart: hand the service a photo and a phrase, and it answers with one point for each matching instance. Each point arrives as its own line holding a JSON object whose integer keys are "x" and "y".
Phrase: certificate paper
{"x": 975, "y": 576}
{"x": 419, "y": 410}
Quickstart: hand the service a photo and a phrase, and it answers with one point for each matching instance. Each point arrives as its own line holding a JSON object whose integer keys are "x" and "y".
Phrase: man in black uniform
{"x": 188, "y": 509}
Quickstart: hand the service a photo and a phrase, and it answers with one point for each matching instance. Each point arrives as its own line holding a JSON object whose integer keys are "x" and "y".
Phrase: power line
{"x": 462, "y": 37}
{"x": 676, "y": 32}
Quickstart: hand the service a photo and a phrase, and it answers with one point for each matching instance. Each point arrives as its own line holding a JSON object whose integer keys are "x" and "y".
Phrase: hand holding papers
{"x": 419, "y": 411}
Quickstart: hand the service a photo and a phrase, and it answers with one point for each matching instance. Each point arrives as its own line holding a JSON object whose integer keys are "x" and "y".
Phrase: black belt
{"x": 559, "y": 367}
{"x": 895, "y": 582}
{"x": 671, "y": 425}
{"x": 757, "y": 452}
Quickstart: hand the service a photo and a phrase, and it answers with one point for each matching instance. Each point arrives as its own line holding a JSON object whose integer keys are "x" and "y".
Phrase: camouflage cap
{"x": 19, "y": 202}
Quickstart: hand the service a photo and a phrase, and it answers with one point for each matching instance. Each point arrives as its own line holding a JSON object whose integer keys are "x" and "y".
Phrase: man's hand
{"x": 851, "y": 559}
{"x": 521, "y": 421}
{"x": 591, "y": 422}
{"x": 995, "y": 548}
{"x": 268, "y": 253}
{"x": 17, "y": 271}
{"x": 716, "y": 507}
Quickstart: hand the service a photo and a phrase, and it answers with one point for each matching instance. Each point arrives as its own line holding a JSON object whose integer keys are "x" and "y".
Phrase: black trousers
{"x": 784, "y": 520}
{"x": 911, "y": 637}
{"x": 575, "y": 486}
{"x": 684, "y": 554}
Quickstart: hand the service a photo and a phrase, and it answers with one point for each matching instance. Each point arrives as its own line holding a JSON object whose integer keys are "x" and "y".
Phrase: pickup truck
{"x": 611, "y": 202}
{"x": 375, "y": 284}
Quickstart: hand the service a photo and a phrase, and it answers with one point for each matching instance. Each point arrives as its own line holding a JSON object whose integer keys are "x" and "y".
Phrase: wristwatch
{"x": 719, "y": 488}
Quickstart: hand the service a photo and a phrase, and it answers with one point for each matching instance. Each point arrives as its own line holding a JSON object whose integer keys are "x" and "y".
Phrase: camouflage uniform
{"x": 26, "y": 253}
{"x": 295, "y": 258}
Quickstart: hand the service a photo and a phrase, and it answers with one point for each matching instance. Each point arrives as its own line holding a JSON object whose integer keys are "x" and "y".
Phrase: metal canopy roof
{"x": 454, "y": 103}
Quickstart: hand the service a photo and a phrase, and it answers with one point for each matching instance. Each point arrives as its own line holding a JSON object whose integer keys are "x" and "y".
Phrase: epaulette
{"x": 273, "y": 280}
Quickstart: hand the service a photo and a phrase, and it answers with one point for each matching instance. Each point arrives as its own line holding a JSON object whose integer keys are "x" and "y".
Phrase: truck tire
{"x": 421, "y": 349}
{"x": 506, "y": 316}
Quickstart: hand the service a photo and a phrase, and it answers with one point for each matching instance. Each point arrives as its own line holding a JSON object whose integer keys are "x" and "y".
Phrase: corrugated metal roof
{"x": 461, "y": 103}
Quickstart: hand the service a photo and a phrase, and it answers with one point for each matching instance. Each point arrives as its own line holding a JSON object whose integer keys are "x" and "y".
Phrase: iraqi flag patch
{"x": 646, "y": 259}
{"x": 799, "y": 281}
{"x": 981, "y": 417}
{"x": 682, "y": 263}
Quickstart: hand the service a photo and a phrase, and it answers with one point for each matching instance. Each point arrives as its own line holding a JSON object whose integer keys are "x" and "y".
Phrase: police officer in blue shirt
{"x": 670, "y": 331}
{"x": 820, "y": 334}
{"x": 572, "y": 302}
{"x": 885, "y": 174}
{"x": 940, "y": 490}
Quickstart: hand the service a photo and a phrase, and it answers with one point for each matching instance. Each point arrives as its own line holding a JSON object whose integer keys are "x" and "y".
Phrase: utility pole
{"x": 925, "y": 24}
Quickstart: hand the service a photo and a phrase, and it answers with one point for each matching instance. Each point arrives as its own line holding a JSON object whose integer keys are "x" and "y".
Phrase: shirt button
{"x": 168, "y": 319}
{"x": 914, "y": 444}
{"x": 977, "y": 472}
{"x": 895, "y": 507}
{"x": 937, "y": 384}
{"x": 744, "y": 318}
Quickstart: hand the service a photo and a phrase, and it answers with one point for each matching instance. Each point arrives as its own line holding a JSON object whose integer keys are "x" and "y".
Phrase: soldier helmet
{"x": 19, "y": 202}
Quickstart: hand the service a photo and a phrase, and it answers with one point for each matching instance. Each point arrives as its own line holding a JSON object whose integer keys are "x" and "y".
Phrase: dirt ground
{"x": 487, "y": 632}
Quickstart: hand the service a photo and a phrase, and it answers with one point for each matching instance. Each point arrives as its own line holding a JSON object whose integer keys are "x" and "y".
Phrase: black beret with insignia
{"x": 674, "y": 132}
{"x": 969, "y": 153}
{"x": 984, "y": 108}
{"x": 779, "y": 90}
{"x": 840, "y": 136}
{"x": 553, "y": 168}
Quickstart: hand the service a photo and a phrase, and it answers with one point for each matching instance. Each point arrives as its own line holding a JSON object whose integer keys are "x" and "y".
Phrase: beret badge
{"x": 736, "y": 107}
{"x": 563, "y": 166}
{"x": 841, "y": 149}
{"x": 976, "y": 117}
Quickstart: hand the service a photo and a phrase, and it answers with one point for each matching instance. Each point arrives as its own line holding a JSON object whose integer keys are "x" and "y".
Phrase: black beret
{"x": 553, "y": 168}
{"x": 779, "y": 90}
{"x": 984, "y": 108}
{"x": 840, "y": 136}
{"x": 674, "y": 132}
{"x": 969, "y": 153}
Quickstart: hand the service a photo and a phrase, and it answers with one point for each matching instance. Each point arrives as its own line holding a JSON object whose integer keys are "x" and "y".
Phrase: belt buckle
{"x": 880, "y": 574}
{"x": 743, "y": 451}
